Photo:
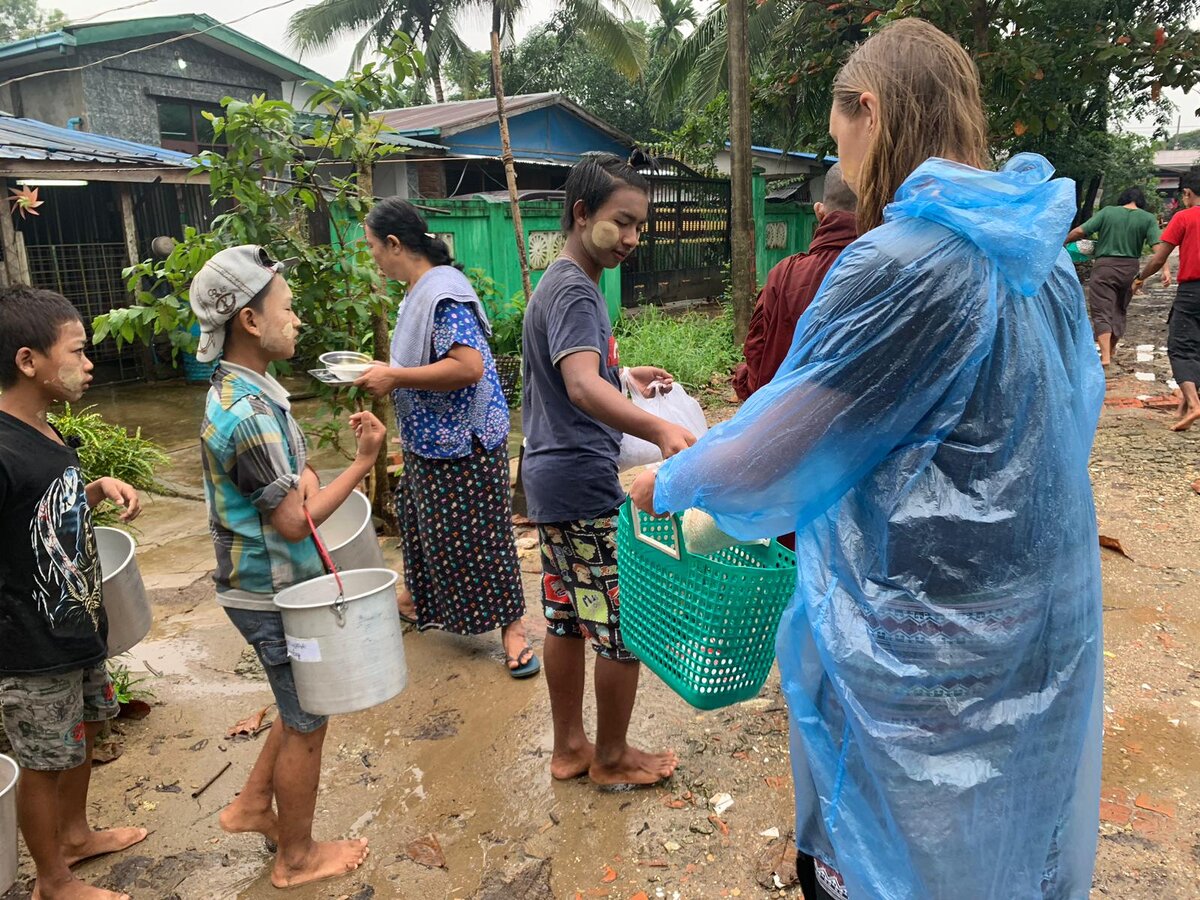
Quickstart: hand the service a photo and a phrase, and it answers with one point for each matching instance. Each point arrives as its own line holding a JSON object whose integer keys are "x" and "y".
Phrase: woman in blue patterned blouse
{"x": 453, "y": 502}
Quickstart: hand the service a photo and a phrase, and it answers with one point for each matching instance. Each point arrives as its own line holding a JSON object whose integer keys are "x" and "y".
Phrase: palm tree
{"x": 609, "y": 30}
{"x": 672, "y": 16}
{"x": 699, "y": 63}
{"x": 430, "y": 22}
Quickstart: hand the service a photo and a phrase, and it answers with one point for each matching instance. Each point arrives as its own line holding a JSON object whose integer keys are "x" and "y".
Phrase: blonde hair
{"x": 929, "y": 105}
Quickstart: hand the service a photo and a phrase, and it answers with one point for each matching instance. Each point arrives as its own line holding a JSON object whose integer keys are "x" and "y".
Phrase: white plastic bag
{"x": 674, "y": 406}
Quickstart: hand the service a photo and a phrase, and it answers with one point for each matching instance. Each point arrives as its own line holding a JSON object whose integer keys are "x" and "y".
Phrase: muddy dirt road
{"x": 462, "y": 754}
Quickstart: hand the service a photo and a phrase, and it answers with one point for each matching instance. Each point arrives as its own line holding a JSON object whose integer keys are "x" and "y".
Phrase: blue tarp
{"x": 928, "y": 440}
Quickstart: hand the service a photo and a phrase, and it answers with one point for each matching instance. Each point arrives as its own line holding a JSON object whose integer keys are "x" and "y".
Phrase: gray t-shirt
{"x": 570, "y": 467}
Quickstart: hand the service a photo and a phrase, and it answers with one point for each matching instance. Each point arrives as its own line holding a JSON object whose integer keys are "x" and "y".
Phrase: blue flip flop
{"x": 532, "y": 667}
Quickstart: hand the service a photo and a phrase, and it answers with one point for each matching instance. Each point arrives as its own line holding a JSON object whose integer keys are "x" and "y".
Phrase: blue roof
{"x": 31, "y": 139}
{"x": 797, "y": 154}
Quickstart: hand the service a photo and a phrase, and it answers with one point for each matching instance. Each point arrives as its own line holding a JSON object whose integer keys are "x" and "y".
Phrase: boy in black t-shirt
{"x": 54, "y": 688}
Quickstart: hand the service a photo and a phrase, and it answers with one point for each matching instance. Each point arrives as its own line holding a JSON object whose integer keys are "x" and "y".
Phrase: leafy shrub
{"x": 107, "y": 450}
{"x": 693, "y": 347}
{"x": 125, "y": 685}
{"x": 506, "y": 314}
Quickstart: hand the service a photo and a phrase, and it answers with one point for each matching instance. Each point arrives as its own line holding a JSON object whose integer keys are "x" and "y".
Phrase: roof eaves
{"x": 103, "y": 32}
{"x": 55, "y": 39}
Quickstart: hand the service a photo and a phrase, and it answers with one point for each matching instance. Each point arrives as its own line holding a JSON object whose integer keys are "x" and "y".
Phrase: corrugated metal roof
{"x": 459, "y": 114}
{"x": 31, "y": 139}
{"x": 306, "y": 121}
{"x": 445, "y": 119}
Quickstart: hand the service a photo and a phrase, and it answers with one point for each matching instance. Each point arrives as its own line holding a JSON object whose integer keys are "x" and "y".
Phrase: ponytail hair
{"x": 394, "y": 217}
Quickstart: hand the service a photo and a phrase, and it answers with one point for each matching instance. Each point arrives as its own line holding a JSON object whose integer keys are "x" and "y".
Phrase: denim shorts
{"x": 264, "y": 632}
{"x": 44, "y": 715}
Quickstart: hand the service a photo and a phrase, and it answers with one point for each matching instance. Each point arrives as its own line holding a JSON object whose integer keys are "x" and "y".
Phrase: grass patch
{"x": 107, "y": 450}
{"x": 693, "y": 347}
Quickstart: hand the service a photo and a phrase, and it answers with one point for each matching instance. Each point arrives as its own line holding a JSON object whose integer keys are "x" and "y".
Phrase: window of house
{"x": 182, "y": 126}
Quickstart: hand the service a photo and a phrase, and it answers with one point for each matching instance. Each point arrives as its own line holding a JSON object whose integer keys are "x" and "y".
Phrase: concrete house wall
{"x": 54, "y": 99}
{"x": 121, "y": 96}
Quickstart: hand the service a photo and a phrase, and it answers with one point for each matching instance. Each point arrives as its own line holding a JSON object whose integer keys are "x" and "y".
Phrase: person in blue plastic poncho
{"x": 928, "y": 439}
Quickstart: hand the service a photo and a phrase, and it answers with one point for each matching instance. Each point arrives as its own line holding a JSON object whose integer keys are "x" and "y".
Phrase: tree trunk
{"x": 378, "y": 492}
{"x": 435, "y": 74}
{"x": 1089, "y": 199}
{"x": 510, "y": 172}
{"x": 742, "y": 244}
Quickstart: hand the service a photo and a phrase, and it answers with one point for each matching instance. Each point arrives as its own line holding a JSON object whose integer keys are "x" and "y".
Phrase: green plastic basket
{"x": 704, "y": 624}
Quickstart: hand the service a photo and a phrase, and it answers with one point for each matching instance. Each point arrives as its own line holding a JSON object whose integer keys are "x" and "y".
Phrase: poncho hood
{"x": 982, "y": 206}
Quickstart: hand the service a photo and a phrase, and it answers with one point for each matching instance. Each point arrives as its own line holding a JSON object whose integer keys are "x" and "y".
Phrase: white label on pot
{"x": 303, "y": 649}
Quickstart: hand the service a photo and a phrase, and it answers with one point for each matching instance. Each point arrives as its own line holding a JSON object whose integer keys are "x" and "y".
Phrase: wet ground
{"x": 462, "y": 754}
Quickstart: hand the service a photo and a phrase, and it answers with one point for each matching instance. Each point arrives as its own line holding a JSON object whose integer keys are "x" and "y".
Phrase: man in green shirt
{"x": 1123, "y": 232}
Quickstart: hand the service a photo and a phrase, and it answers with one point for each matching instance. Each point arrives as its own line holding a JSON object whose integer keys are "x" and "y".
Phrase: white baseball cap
{"x": 226, "y": 284}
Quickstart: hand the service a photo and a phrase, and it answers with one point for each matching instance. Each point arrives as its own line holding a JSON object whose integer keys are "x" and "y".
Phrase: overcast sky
{"x": 270, "y": 26}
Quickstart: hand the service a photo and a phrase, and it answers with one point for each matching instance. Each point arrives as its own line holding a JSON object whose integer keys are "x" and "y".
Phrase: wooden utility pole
{"x": 742, "y": 244}
{"x": 16, "y": 264}
{"x": 510, "y": 172}
{"x": 379, "y": 495}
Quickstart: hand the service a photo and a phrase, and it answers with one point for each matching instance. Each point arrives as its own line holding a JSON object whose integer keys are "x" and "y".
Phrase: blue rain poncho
{"x": 927, "y": 438}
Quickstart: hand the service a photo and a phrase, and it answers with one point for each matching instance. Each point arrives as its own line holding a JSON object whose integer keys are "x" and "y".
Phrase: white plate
{"x": 326, "y": 377}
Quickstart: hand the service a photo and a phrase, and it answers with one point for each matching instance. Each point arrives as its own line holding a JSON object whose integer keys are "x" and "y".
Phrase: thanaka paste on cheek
{"x": 281, "y": 342}
{"x": 605, "y": 235}
{"x": 70, "y": 379}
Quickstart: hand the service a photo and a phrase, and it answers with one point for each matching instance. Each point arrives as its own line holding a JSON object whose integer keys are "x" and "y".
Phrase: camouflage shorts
{"x": 44, "y": 715}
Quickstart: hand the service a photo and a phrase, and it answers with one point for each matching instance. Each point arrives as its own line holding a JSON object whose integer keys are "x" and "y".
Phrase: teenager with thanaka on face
{"x": 575, "y": 415}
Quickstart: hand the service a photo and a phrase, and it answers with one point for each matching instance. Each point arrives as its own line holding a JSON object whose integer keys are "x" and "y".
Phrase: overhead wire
{"x": 105, "y": 12}
{"x": 156, "y": 45}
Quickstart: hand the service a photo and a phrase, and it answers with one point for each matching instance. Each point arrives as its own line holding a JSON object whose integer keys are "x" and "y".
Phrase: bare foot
{"x": 327, "y": 859}
{"x": 572, "y": 763}
{"x": 236, "y": 819}
{"x": 99, "y": 843}
{"x": 75, "y": 890}
{"x": 635, "y": 767}
{"x": 1187, "y": 421}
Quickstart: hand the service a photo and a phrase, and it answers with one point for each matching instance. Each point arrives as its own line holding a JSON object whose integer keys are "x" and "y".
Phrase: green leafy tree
{"x": 558, "y": 57}
{"x": 272, "y": 177}
{"x": 1055, "y": 75}
{"x": 667, "y": 32}
{"x": 21, "y": 19}
{"x": 1186, "y": 140}
{"x": 435, "y": 22}
{"x": 1130, "y": 163}
{"x": 432, "y": 22}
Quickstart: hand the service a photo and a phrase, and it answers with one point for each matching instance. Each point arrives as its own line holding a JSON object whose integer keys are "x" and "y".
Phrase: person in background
{"x": 1123, "y": 232}
{"x": 928, "y": 439}
{"x": 55, "y": 692}
{"x": 792, "y": 284}
{"x": 575, "y": 414}
{"x": 1183, "y": 323}
{"x": 261, "y": 493}
{"x": 453, "y": 502}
